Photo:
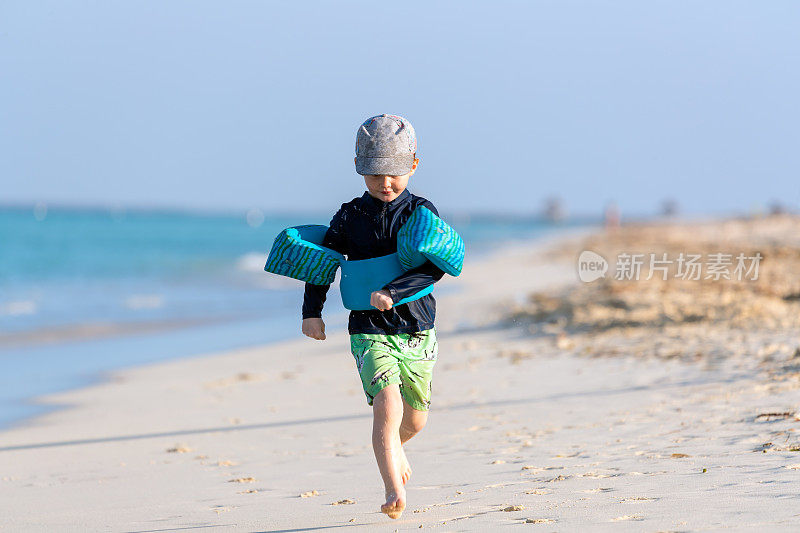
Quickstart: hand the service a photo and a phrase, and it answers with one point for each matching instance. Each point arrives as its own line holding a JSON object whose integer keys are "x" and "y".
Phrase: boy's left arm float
{"x": 412, "y": 281}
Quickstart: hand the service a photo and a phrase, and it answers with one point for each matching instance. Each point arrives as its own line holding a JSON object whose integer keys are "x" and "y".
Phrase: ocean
{"x": 87, "y": 291}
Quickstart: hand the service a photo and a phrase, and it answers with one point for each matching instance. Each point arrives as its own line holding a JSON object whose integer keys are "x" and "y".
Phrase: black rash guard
{"x": 367, "y": 227}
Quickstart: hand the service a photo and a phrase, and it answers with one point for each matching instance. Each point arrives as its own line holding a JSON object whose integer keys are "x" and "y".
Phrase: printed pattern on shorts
{"x": 405, "y": 359}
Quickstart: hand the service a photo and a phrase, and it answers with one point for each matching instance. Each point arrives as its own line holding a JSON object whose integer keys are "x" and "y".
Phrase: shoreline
{"x": 524, "y": 429}
{"x": 98, "y": 329}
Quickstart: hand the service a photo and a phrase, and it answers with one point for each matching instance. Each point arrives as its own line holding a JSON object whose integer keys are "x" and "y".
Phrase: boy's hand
{"x": 314, "y": 328}
{"x": 381, "y": 300}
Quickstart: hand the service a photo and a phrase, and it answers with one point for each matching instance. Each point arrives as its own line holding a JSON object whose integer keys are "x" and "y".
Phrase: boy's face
{"x": 385, "y": 187}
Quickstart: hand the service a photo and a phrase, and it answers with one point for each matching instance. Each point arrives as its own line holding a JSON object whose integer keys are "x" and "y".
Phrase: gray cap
{"x": 385, "y": 144}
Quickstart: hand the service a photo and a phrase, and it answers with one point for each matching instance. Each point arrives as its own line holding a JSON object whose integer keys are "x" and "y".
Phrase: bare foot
{"x": 395, "y": 503}
{"x": 405, "y": 467}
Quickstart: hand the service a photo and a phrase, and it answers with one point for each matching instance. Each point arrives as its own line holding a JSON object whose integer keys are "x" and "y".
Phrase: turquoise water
{"x": 84, "y": 266}
{"x": 155, "y": 285}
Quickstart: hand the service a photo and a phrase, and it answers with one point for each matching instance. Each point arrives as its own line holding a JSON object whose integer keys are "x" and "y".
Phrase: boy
{"x": 394, "y": 347}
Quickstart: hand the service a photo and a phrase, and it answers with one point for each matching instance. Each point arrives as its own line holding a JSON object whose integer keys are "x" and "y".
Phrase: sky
{"x": 235, "y": 105}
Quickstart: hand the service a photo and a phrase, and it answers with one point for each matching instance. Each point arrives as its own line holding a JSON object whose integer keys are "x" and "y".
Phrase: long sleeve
{"x": 313, "y": 300}
{"x": 412, "y": 281}
{"x": 315, "y": 295}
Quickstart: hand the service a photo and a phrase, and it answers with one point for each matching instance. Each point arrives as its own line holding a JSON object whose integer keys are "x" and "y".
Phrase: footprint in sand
{"x": 499, "y": 485}
{"x": 542, "y": 468}
{"x": 598, "y": 475}
{"x": 539, "y": 521}
{"x": 309, "y": 494}
{"x": 242, "y": 480}
{"x": 631, "y": 517}
{"x": 227, "y": 382}
{"x": 180, "y": 448}
{"x": 512, "y": 508}
{"x": 346, "y": 501}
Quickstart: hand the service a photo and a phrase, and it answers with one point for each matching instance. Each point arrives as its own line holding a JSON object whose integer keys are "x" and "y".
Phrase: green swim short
{"x": 404, "y": 358}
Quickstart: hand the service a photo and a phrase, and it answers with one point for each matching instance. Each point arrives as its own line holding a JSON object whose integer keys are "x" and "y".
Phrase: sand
{"x": 528, "y": 428}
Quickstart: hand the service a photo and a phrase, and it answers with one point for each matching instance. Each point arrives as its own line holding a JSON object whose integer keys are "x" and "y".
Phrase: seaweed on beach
{"x": 674, "y": 317}
{"x": 771, "y": 301}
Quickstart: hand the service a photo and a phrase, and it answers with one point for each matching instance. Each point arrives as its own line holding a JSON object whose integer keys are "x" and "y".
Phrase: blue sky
{"x": 231, "y": 105}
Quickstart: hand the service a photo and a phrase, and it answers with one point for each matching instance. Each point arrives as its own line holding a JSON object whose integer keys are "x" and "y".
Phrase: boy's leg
{"x": 413, "y": 422}
{"x": 416, "y": 373}
{"x": 387, "y": 411}
{"x": 386, "y": 363}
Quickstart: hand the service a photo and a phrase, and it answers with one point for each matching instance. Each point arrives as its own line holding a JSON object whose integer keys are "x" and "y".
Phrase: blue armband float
{"x": 425, "y": 236}
{"x": 298, "y": 253}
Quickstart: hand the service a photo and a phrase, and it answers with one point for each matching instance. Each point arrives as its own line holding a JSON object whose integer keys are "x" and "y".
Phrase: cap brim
{"x": 393, "y": 166}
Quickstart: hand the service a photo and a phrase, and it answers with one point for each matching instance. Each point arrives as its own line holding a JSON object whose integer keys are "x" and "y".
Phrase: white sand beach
{"x": 528, "y": 428}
